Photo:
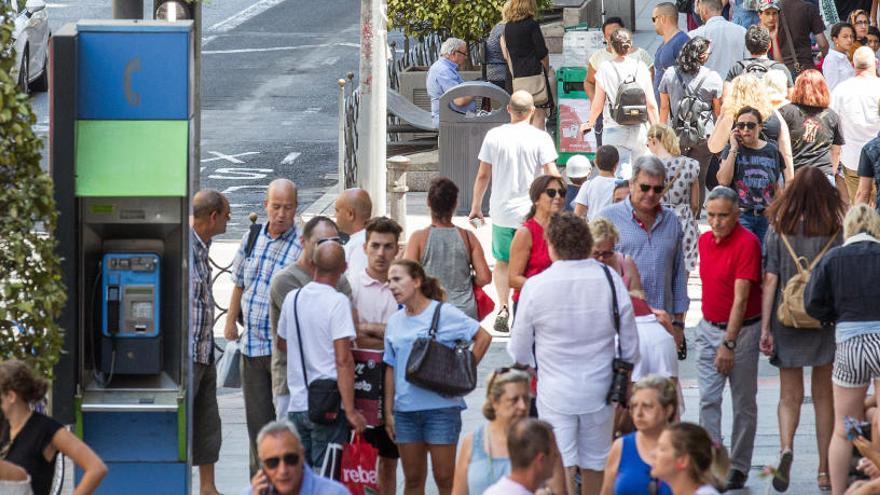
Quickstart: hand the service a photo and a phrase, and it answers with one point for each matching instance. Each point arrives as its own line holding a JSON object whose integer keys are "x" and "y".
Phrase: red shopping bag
{"x": 360, "y": 471}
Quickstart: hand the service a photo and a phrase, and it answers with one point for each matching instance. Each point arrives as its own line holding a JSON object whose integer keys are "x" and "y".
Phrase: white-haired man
{"x": 443, "y": 76}
{"x": 855, "y": 100}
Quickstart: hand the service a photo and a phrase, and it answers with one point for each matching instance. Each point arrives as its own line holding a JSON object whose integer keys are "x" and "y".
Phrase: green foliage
{"x": 31, "y": 292}
{"x": 470, "y": 20}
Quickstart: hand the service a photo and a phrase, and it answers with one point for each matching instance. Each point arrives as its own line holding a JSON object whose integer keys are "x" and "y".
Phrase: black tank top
{"x": 27, "y": 451}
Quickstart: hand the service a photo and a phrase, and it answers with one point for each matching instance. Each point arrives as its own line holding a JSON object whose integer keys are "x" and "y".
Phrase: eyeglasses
{"x": 329, "y": 239}
{"x": 291, "y": 459}
{"x": 551, "y": 193}
{"x": 463, "y": 54}
{"x": 603, "y": 254}
{"x": 861, "y": 23}
{"x": 645, "y": 188}
{"x": 746, "y": 125}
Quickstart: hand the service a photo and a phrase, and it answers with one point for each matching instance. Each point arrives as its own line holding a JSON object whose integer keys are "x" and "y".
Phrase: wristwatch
{"x": 730, "y": 344}
{"x": 678, "y": 324}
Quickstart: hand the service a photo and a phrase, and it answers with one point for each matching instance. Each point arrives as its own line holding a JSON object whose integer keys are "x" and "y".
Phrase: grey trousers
{"x": 743, "y": 389}
{"x": 259, "y": 409}
{"x": 206, "y": 415}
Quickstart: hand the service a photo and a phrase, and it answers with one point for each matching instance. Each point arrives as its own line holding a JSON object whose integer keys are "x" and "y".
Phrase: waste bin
{"x": 462, "y": 135}
{"x": 573, "y": 108}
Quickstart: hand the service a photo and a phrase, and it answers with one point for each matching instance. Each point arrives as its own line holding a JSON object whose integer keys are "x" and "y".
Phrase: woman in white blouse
{"x": 566, "y": 313}
{"x": 836, "y": 67}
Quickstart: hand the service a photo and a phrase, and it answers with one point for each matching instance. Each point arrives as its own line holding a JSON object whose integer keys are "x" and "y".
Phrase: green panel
{"x": 131, "y": 157}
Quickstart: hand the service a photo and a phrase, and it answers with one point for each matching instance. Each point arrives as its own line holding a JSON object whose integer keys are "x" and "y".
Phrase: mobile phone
{"x": 855, "y": 428}
{"x": 271, "y": 490}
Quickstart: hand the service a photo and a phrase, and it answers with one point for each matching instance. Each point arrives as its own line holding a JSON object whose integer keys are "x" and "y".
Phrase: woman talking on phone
{"x": 752, "y": 167}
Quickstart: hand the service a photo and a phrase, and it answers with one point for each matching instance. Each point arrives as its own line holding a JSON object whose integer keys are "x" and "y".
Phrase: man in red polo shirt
{"x": 728, "y": 335}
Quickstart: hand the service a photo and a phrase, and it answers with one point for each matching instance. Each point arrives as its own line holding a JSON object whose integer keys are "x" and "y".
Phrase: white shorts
{"x": 584, "y": 440}
{"x": 657, "y": 351}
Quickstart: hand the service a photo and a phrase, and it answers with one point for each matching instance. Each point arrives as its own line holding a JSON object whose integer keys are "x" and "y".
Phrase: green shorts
{"x": 502, "y": 237}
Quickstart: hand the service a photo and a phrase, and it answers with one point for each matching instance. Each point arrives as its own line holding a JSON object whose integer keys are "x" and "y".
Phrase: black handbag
{"x": 619, "y": 391}
{"x": 325, "y": 403}
{"x": 449, "y": 371}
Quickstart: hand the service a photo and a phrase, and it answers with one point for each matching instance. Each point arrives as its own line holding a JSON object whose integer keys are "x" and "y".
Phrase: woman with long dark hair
{"x": 805, "y": 222}
{"x": 417, "y": 419}
{"x": 691, "y": 77}
{"x": 815, "y": 129}
{"x": 529, "y": 255}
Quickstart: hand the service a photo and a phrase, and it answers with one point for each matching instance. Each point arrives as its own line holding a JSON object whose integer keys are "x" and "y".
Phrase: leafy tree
{"x": 470, "y": 20}
{"x": 31, "y": 292}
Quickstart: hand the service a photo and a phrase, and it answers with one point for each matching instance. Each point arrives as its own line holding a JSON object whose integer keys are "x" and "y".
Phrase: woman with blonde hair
{"x": 682, "y": 191}
{"x": 605, "y": 236}
{"x": 526, "y": 51}
{"x": 747, "y": 90}
{"x": 653, "y": 405}
{"x": 852, "y": 268}
{"x": 483, "y": 458}
{"x": 689, "y": 461}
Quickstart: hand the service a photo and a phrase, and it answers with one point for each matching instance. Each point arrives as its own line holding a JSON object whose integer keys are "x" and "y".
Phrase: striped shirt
{"x": 253, "y": 274}
{"x": 658, "y": 254}
{"x": 202, "y": 319}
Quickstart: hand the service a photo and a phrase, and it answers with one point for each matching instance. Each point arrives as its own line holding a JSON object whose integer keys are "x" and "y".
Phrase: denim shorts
{"x": 434, "y": 426}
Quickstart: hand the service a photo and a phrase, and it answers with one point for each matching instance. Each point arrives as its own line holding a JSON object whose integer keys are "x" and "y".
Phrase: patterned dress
{"x": 683, "y": 171}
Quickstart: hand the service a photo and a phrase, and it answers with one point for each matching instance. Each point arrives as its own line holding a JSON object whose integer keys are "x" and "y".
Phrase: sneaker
{"x": 736, "y": 480}
{"x": 501, "y": 320}
{"x": 782, "y": 476}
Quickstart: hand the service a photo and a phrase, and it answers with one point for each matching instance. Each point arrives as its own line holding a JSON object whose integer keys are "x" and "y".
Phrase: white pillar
{"x": 373, "y": 85}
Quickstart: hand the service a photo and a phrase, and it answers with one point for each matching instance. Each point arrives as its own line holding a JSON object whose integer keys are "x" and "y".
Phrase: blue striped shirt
{"x": 253, "y": 274}
{"x": 658, "y": 254}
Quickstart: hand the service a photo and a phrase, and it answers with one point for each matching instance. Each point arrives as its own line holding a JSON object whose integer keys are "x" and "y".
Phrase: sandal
{"x": 824, "y": 482}
{"x": 783, "y": 471}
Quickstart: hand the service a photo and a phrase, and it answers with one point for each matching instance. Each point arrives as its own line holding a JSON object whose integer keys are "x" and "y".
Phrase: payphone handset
{"x": 130, "y": 295}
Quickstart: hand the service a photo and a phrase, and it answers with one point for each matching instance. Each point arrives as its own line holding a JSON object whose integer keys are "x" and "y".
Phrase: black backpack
{"x": 692, "y": 116}
{"x": 630, "y": 105}
{"x": 758, "y": 68}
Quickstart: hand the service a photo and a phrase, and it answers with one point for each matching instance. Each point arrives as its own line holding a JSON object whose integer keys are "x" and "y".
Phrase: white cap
{"x": 578, "y": 167}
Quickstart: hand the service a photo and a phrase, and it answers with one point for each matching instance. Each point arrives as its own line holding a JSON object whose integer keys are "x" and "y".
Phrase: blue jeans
{"x": 756, "y": 223}
{"x": 315, "y": 438}
{"x": 745, "y": 18}
{"x": 434, "y": 426}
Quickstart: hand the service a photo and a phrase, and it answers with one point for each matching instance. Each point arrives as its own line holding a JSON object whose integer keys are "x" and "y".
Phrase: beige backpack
{"x": 791, "y": 311}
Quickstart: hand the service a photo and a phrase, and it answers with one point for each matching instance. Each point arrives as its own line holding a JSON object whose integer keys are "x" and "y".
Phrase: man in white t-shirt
{"x": 856, "y": 102}
{"x": 511, "y": 156}
{"x": 317, "y": 323}
{"x": 533, "y": 457}
{"x": 353, "y": 209}
{"x": 598, "y": 192}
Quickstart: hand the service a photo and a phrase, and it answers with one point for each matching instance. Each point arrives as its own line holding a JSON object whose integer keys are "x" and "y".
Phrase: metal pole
{"x": 373, "y": 87}
{"x": 128, "y": 9}
{"x": 341, "y": 139}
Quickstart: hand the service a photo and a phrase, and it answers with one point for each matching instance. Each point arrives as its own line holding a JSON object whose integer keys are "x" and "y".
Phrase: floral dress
{"x": 683, "y": 171}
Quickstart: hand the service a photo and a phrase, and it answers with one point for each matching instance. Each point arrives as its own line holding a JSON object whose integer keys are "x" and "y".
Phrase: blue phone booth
{"x": 125, "y": 105}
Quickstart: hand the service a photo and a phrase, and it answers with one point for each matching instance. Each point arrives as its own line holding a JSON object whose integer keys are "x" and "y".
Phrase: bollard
{"x": 341, "y": 138}
{"x": 397, "y": 189}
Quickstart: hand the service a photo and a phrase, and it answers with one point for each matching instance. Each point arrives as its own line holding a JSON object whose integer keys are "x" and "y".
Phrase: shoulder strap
{"x": 432, "y": 332}
{"x": 302, "y": 358}
{"x": 788, "y": 41}
{"x": 824, "y": 250}
{"x": 671, "y": 183}
{"x": 253, "y": 233}
{"x": 615, "y": 311}
{"x": 699, "y": 86}
{"x": 467, "y": 242}
{"x": 798, "y": 260}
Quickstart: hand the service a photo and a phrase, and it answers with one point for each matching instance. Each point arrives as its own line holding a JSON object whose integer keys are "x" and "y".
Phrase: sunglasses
{"x": 329, "y": 239}
{"x": 291, "y": 459}
{"x": 645, "y": 188}
{"x": 746, "y": 125}
{"x": 603, "y": 254}
{"x": 463, "y": 54}
{"x": 551, "y": 193}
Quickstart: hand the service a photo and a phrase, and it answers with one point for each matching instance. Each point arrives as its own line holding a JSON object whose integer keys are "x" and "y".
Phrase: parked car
{"x": 30, "y": 37}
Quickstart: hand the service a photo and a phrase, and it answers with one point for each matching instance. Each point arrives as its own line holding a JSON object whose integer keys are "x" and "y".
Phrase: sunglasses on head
{"x": 551, "y": 193}
{"x": 645, "y": 188}
{"x": 291, "y": 459}
{"x": 746, "y": 125}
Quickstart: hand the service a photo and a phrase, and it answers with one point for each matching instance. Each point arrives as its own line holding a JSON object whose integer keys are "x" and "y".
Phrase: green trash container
{"x": 572, "y": 108}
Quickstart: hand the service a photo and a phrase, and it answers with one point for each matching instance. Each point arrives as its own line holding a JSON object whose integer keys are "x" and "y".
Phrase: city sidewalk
{"x": 232, "y": 471}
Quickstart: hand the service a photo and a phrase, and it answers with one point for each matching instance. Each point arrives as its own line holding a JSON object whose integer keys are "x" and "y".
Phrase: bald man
{"x": 511, "y": 156}
{"x": 316, "y": 322}
{"x": 353, "y": 209}
{"x": 277, "y": 246}
{"x": 210, "y": 214}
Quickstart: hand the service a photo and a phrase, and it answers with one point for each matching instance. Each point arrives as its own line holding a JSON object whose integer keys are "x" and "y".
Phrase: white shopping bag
{"x": 228, "y": 368}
